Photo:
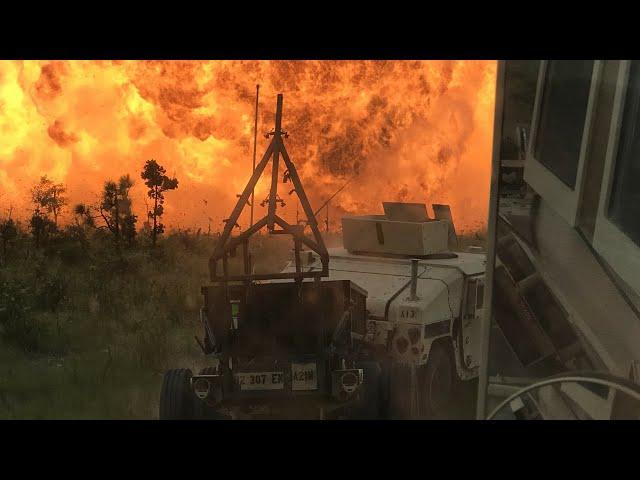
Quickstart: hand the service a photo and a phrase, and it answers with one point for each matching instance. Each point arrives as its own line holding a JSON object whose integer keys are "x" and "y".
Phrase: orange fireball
{"x": 408, "y": 130}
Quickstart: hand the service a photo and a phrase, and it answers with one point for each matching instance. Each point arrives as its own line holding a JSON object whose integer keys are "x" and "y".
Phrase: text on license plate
{"x": 260, "y": 380}
{"x": 304, "y": 376}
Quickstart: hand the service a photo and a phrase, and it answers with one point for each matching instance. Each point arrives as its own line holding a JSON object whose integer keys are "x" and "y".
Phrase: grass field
{"x": 86, "y": 332}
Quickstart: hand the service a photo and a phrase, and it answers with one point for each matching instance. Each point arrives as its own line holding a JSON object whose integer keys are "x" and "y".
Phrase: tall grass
{"x": 87, "y": 331}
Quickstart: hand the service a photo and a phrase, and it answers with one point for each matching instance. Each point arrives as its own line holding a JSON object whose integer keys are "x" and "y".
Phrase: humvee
{"x": 424, "y": 305}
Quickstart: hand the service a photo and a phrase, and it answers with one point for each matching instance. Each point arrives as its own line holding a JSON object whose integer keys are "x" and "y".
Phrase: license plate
{"x": 260, "y": 380}
{"x": 304, "y": 376}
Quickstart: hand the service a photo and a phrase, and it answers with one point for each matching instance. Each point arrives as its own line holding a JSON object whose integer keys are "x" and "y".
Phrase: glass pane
{"x": 562, "y": 115}
{"x": 624, "y": 207}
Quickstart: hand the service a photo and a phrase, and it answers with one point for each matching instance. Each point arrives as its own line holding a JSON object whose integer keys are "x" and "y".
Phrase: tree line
{"x": 113, "y": 212}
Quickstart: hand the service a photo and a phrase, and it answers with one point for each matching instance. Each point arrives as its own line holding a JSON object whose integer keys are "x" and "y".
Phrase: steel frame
{"x": 228, "y": 244}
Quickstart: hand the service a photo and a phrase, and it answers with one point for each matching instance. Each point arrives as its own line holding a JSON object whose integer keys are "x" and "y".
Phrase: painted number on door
{"x": 408, "y": 314}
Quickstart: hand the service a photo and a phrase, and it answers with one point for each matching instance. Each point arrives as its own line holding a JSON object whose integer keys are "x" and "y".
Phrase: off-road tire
{"x": 437, "y": 381}
{"x": 176, "y": 397}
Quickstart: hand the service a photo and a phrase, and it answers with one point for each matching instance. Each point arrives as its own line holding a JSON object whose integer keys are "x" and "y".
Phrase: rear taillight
{"x": 345, "y": 383}
{"x": 349, "y": 382}
{"x": 208, "y": 388}
{"x": 202, "y": 388}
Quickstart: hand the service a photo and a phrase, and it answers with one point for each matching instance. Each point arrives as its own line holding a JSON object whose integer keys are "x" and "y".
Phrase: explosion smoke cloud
{"x": 410, "y": 130}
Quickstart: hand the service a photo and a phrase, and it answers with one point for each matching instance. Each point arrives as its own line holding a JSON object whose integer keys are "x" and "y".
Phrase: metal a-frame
{"x": 227, "y": 244}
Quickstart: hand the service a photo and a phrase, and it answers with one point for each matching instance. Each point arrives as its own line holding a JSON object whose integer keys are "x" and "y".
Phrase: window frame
{"x": 609, "y": 240}
{"x": 563, "y": 199}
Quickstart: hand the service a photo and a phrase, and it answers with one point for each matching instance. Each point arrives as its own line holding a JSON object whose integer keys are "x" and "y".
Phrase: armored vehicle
{"x": 424, "y": 303}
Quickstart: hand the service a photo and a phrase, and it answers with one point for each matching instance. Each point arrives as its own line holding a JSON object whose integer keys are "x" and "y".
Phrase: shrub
{"x": 23, "y": 326}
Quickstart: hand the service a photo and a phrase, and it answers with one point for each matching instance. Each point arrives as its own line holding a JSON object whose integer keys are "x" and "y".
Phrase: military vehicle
{"x": 424, "y": 303}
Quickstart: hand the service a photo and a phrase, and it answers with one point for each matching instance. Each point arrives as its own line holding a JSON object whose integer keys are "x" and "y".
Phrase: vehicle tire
{"x": 176, "y": 398}
{"x": 371, "y": 397}
{"x": 437, "y": 381}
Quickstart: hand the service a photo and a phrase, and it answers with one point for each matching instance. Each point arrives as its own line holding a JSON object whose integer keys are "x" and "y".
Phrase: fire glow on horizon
{"x": 417, "y": 131}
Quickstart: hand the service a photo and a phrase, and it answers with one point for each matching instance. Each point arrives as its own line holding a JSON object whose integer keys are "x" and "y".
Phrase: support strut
{"x": 227, "y": 244}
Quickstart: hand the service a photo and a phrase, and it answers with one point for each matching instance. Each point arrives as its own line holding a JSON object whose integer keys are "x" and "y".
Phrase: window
{"x": 624, "y": 206}
{"x": 520, "y": 93}
{"x": 562, "y": 117}
{"x": 565, "y": 275}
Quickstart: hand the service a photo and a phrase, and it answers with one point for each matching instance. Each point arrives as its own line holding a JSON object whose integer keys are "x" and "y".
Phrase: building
{"x": 566, "y": 281}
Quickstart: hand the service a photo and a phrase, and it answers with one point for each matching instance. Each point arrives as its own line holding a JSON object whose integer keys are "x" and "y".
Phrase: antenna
{"x": 255, "y": 141}
{"x": 332, "y": 196}
{"x": 326, "y": 203}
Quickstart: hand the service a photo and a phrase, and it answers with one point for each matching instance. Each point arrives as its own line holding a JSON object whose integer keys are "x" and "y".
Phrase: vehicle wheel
{"x": 437, "y": 381}
{"x": 371, "y": 397}
{"x": 176, "y": 398}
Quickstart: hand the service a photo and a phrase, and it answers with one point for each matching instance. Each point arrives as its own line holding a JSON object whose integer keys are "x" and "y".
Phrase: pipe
{"x": 414, "y": 279}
